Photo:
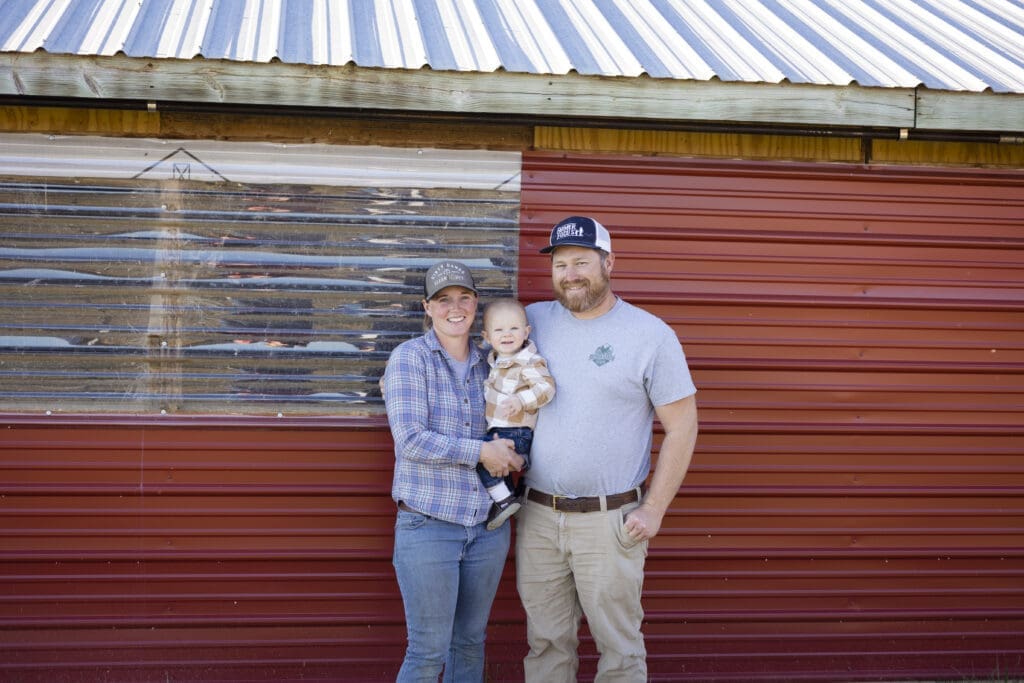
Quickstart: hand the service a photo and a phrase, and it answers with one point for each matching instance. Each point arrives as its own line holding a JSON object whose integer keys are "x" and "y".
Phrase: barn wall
{"x": 855, "y": 507}
{"x": 148, "y": 530}
{"x": 854, "y": 511}
{"x": 198, "y": 552}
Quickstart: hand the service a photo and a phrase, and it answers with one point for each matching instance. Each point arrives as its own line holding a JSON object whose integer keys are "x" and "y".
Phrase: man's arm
{"x": 679, "y": 420}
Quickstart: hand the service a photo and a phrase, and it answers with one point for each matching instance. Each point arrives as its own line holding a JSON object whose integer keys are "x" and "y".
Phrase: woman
{"x": 448, "y": 565}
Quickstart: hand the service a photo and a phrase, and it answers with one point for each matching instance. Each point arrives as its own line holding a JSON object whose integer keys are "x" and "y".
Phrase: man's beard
{"x": 587, "y": 298}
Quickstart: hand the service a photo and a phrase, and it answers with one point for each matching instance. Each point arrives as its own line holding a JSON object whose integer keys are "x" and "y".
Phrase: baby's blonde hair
{"x": 507, "y": 303}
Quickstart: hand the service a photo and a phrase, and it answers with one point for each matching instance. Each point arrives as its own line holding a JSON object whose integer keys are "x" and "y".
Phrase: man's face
{"x": 580, "y": 277}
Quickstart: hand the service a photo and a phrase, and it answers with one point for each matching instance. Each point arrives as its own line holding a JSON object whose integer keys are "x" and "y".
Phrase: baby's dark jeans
{"x": 523, "y": 439}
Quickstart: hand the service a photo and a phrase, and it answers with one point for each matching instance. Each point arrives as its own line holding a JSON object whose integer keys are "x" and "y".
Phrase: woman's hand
{"x": 499, "y": 457}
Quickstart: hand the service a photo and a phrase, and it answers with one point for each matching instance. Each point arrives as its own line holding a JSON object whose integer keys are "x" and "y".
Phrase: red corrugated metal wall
{"x": 855, "y": 506}
{"x": 179, "y": 553}
{"x": 195, "y": 552}
{"x": 854, "y": 511}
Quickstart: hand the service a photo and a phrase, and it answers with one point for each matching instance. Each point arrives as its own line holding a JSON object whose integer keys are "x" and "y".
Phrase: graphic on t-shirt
{"x": 602, "y": 355}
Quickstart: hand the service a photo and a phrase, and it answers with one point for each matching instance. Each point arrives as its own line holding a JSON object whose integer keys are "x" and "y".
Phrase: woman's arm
{"x": 406, "y": 398}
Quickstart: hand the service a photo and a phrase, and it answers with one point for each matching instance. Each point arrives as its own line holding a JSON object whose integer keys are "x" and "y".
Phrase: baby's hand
{"x": 509, "y": 408}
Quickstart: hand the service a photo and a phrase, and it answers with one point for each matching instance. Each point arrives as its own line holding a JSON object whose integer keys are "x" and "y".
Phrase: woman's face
{"x": 452, "y": 311}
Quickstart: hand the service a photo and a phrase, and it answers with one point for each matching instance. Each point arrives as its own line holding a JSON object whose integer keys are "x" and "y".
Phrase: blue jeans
{"x": 522, "y": 437}
{"x": 448, "y": 575}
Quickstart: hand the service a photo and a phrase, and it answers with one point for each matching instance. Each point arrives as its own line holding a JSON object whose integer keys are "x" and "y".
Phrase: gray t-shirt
{"x": 595, "y": 437}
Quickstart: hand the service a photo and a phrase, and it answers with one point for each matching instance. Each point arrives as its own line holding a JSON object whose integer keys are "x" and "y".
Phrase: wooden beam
{"x": 476, "y": 134}
{"x": 79, "y": 121}
{"x": 777, "y": 147}
{"x": 347, "y": 131}
{"x": 948, "y": 153}
{"x": 970, "y": 111}
{"x": 717, "y": 145}
{"x": 40, "y": 74}
{"x": 271, "y": 127}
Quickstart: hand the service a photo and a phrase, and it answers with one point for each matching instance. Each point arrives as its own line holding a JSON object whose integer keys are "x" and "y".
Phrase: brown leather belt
{"x": 592, "y": 504}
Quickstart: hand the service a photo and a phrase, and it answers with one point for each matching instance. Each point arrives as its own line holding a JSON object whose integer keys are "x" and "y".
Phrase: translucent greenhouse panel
{"x": 136, "y": 282}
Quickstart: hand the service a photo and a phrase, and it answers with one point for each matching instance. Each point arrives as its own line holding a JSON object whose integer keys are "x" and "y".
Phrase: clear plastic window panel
{"x": 215, "y": 279}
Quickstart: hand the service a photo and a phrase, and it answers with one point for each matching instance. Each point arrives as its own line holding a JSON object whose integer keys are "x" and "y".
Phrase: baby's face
{"x": 506, "y": 331}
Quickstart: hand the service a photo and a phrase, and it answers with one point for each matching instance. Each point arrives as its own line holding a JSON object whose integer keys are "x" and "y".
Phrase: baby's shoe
{"x": 501, "y": 511}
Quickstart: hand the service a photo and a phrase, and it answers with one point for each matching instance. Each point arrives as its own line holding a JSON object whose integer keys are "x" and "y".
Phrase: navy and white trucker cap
{"x": 579, "y": 231}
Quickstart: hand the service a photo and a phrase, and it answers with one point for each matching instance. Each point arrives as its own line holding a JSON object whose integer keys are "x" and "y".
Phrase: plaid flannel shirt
{"x": 524, "y": 375}
{"x": 437, "y": 422}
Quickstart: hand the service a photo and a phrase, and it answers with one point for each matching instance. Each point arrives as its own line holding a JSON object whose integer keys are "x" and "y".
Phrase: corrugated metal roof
{"x": 960, "y": 45}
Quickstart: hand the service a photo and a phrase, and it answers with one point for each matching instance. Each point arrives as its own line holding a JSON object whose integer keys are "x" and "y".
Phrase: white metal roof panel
{"x": 959, "y": 45}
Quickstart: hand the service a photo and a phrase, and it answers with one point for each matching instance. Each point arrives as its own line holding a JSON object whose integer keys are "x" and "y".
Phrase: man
{"x": 583, "y": 532}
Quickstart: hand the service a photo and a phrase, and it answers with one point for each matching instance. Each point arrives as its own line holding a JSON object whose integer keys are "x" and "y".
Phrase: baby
{"x": 518, "y": 385}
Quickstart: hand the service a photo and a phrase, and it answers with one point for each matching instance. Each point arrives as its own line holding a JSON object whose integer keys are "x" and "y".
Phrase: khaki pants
{"x": 573, "y": 563}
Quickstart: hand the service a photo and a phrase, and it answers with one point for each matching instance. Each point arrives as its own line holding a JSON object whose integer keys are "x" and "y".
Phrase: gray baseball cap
{"x": 446, "y": 274}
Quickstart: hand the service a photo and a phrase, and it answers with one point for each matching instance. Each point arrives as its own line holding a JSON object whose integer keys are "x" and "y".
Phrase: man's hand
{"x": 643, "y": 523}
{"x": 499, "y": 457}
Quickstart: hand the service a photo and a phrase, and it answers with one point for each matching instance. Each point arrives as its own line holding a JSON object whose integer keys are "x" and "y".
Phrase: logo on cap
{"x": 446, "y": 274}
{"x": 566, "y": 230}
{"x": 579, "y": 231}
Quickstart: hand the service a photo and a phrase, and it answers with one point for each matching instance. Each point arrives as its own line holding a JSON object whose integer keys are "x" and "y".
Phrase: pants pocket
{"x": 618, "y": 520}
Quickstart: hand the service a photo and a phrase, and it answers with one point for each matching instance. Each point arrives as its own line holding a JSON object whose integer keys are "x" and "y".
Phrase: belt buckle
{"x": 554, "y": 502}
